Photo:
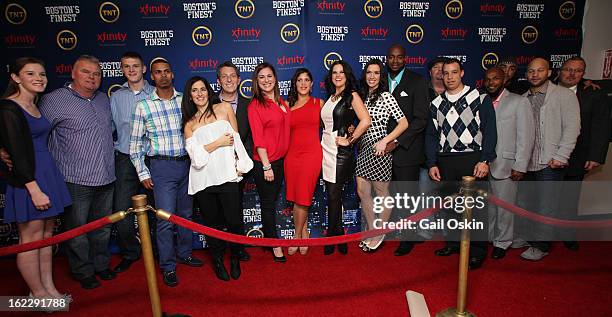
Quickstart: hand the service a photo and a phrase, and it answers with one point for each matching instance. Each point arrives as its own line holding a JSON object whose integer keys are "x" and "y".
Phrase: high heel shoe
{"x": 373, "y": 248}
{"x": 343, "y": 248}
{"x": 280, "y": 259}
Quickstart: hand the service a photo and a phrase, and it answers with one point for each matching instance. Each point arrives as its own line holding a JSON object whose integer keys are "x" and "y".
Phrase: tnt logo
{"x": 255, "y": 233}
{"x": 244, "y": 9}
{"x": 567, "y": 10}
{"x": 414, "y": 34}
{"x": 112, "y": 89}
{"x": 330, "y": 58}
{"x": 454, "y": 9}
{"x": 201, "y": 36}
{"x": 529, "y": 34}
{"x": 15, "y": 13}
{"x": 489, "y": 60}
{"x": 290, "y": 33}
{"x": 66, "y": 40}
{"x": 109, "y": 12}
{"x": 373, "y": 8}
{"x": 246, "y": 88}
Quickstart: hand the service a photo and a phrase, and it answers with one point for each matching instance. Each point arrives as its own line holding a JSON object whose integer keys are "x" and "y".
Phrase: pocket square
{"x": 403, "y": 94}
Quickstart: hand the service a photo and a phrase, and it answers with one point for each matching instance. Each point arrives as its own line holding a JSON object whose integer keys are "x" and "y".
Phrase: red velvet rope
{"x": 270, "y": 242}
{"x": 18, "y": 248}
{"x": 548, "y": 220}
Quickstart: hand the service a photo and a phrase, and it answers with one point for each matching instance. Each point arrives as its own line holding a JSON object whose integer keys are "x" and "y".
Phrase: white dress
{"x": 220, "y": 166}
{"x": 328, "y": 141}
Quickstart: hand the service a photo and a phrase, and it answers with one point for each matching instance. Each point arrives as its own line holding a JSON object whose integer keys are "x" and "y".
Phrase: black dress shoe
{"x": 475, "y": 262}
{"x": 244, "y": 256}
{"x": 170, "y": 278}
{"x": 191, "y": 261}
{"x": 106, "y": 275}
{"x": 446, "y": 251}
{"x": 235, "y": 267}
{"x": 124, "y": 265}
{"x": 498, "y": 253}
{"x": 329, "y": 249}
{"x": 220, "y": 270}
{"x": 404, "y": 248}
{"x": 89, "y": 282}
{"x": 343, "y": 248}
{"x": 571, "y": 245}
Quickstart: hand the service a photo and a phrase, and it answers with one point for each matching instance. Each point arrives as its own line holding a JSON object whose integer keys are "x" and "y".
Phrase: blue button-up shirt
{"x": 81, "y": 138}
{"x": 123, "y": 103}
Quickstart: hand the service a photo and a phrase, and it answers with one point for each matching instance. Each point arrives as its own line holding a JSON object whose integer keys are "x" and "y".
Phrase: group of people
{"x": 77, "y": 149}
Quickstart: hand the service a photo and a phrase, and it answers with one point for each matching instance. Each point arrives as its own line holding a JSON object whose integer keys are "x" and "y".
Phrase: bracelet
{"x": 267, "y": 167}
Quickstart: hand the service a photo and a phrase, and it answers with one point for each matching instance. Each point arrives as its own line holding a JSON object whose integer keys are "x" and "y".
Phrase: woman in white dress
{"x": 337, "y": 114}
{"x": 218, "y": 159}
{"x": 374, "y": 164}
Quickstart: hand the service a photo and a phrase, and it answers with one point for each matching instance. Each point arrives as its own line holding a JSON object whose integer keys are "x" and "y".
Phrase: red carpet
{"x": 565, "y": 283}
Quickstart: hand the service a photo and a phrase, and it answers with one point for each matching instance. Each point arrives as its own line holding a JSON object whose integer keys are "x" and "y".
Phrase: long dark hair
{"x": 189, "y": 108}
{"x": 12, "y": 87}
{"x": 293, "y": 92}
{"x": 257, "y": 93}
{"x": 383, "y": 85}
{"x": 351, "y": 82}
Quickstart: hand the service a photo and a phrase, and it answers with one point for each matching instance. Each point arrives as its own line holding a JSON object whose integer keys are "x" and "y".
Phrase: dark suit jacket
{"x": 244, "y": 129}
{"x": 592, "y": 143}
{"x": 413, "y": 98}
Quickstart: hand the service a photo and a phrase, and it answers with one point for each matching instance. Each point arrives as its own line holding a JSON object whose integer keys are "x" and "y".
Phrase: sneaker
{"x": 533, "y": 254}
{"x": 191, "y": 261}
{"x": 519, "y": 243}
{"x": 170, "y": 278}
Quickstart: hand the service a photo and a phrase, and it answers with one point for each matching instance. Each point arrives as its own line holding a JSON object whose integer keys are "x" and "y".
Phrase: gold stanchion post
{"x": 467, "y": 187}
{"x": 139, "y": 203}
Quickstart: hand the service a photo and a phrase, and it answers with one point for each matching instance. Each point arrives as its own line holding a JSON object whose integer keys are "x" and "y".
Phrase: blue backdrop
{"x": 197, "y": 36}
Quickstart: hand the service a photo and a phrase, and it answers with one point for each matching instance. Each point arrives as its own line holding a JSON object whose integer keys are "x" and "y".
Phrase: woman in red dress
{"x": 303, "y": 160}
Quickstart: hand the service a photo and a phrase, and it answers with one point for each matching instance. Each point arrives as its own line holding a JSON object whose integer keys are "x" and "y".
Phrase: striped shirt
{"x": 81, "y": 136}
{"x": 537, "y": 101}
{"x": 123, "y": 103}
{"x": 156, "y": 130}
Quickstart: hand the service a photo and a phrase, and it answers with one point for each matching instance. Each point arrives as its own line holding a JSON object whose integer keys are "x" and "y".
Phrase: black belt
{"x": 170, "y": 158}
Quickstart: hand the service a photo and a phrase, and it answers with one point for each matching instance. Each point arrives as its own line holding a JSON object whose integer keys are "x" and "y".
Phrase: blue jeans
{"x": 126, "y": 186}
{"x": 541, "y": 194}
{"x": 170, "y": 180}
{"x": 88, "y": 253}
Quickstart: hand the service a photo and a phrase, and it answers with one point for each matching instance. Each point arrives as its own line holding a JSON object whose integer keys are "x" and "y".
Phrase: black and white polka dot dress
{"x": 370, "y": 166}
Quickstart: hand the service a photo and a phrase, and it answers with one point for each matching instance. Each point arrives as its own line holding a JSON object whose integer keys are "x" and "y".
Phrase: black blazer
{"x": 412, "y": 96}
{"x": 244, "y": 129}
{"x": 592, "y": 143}
{"x": 16, "y": 138}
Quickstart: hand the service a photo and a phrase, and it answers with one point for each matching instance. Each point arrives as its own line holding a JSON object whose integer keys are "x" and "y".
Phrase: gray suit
{"x": 515, "y": 138}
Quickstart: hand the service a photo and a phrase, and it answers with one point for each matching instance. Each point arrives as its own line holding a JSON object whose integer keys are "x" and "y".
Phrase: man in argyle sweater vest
{"x": 460, "y": 141}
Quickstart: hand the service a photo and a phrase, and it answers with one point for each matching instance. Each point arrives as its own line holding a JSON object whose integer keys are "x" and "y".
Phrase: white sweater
{"x": 220, "y": 166}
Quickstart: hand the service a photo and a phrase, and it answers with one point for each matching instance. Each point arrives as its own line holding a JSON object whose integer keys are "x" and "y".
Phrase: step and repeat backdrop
{"x": 197, "y": 36}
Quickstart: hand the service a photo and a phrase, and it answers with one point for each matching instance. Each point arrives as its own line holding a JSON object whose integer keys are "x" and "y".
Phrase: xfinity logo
{"x": 330, "y": 7}
{"x": 488, "y": 9}
{"x": 115, "y": 37}
{"x": 453, "y": 34}
{"x": 21, "y": 41}
{"x": 203, "y": 65}
{"x": 370, "y": 33}
{"x": 156, "y": 10}
{"x": 245, "y": 35}
{"x": 566, "y": 34}
{"x": 63, "y": 69}
{"x": 290, "y": 60}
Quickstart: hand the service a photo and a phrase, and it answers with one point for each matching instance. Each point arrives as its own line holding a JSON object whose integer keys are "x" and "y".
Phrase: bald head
{"x": 496, "y": 71}
{"x": 538, "y": 72}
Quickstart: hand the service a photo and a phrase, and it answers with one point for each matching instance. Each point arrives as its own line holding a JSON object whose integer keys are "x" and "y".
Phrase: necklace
{"x": 335, "y": 97}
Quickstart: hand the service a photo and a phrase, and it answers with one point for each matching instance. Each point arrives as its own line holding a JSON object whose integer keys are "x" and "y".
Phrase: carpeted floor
{"x": 565, "y": 283}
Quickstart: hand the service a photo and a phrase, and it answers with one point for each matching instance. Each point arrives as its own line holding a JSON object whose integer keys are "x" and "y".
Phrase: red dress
{"x": 305, "y": 156}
